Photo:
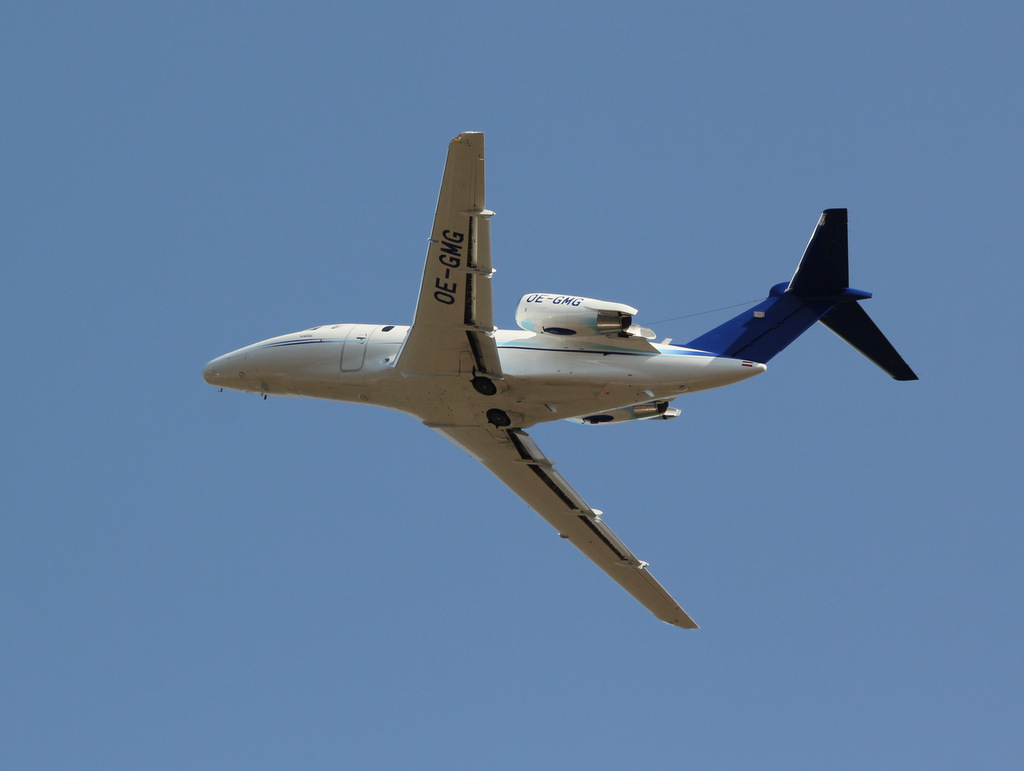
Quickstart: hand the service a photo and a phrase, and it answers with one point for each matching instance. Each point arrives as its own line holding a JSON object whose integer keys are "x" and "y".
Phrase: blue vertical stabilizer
{"x": 818, "y": 291}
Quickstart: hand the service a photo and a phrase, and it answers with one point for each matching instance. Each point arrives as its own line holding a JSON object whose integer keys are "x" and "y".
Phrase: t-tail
{"x": 819, "y": 291}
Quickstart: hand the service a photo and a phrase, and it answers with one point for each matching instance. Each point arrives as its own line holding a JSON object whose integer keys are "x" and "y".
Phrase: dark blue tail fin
{"x": 819, "y": 291}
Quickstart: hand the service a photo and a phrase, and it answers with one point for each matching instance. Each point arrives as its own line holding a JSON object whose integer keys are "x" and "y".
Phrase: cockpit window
{"x": 388, "y": 328}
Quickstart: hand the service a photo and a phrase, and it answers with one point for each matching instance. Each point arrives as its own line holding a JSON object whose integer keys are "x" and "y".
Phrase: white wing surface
{"x": 453, "y": 330}
{"x": 512, "y": 456}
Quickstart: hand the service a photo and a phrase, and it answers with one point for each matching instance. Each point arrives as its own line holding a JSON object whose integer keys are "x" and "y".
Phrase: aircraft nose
{"x": 218, "y": 371}
{"x": 210, "y": 373}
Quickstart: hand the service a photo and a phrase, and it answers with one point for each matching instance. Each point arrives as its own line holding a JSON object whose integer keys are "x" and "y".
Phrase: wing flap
{"x": 513, "y": 456}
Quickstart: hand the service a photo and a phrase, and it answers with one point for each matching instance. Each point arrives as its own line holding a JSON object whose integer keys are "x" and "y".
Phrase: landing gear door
{"x": 353, "y": 348}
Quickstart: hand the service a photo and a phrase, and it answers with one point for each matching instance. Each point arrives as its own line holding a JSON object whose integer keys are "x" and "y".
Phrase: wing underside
{"x": 453, "y": 329}
{"x": 513, "y": 456}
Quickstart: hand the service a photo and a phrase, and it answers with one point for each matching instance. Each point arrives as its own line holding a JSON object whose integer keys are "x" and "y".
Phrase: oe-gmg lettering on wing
{"x": 450, "y": 257}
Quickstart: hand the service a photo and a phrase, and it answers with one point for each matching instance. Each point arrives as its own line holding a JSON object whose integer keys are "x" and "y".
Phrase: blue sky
{"x": 193, "y": 579}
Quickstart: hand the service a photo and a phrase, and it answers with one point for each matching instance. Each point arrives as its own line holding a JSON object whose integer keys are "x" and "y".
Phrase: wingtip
{"x": 680, "y": 619}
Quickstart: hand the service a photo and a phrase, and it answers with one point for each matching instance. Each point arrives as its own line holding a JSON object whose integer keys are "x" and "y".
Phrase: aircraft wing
{"x": 453, "y": 329}
{"x": 512, "y": 456}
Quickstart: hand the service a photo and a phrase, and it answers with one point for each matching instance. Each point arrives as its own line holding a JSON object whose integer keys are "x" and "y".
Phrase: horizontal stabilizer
{"x": 852, "y": 323}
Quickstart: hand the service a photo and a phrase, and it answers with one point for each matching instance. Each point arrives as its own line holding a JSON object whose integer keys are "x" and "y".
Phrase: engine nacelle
{"x": 649, "y": 411}
{"x": 559, "y": 314}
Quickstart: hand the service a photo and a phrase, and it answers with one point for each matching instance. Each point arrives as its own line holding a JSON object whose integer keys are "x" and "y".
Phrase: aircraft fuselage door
{"x": 353, "y": 349}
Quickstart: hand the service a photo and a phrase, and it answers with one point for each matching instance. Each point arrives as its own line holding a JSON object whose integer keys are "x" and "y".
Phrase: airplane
{"x": 572, "y": 358}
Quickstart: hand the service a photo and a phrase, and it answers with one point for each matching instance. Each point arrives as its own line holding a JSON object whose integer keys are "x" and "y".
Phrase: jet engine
{"x": 648, "y": 411}
{"x": 559, "y": 314}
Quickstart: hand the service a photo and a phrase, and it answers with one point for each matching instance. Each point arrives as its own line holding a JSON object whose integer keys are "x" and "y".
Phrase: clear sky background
{"x": 194, "y": 579}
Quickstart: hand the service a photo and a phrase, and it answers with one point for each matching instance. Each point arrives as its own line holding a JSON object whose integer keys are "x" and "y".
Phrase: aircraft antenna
{"x": 704, "y": 313}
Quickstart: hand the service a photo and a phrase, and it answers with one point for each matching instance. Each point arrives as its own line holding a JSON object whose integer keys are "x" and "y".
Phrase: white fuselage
{"x": 546, "y": 377}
